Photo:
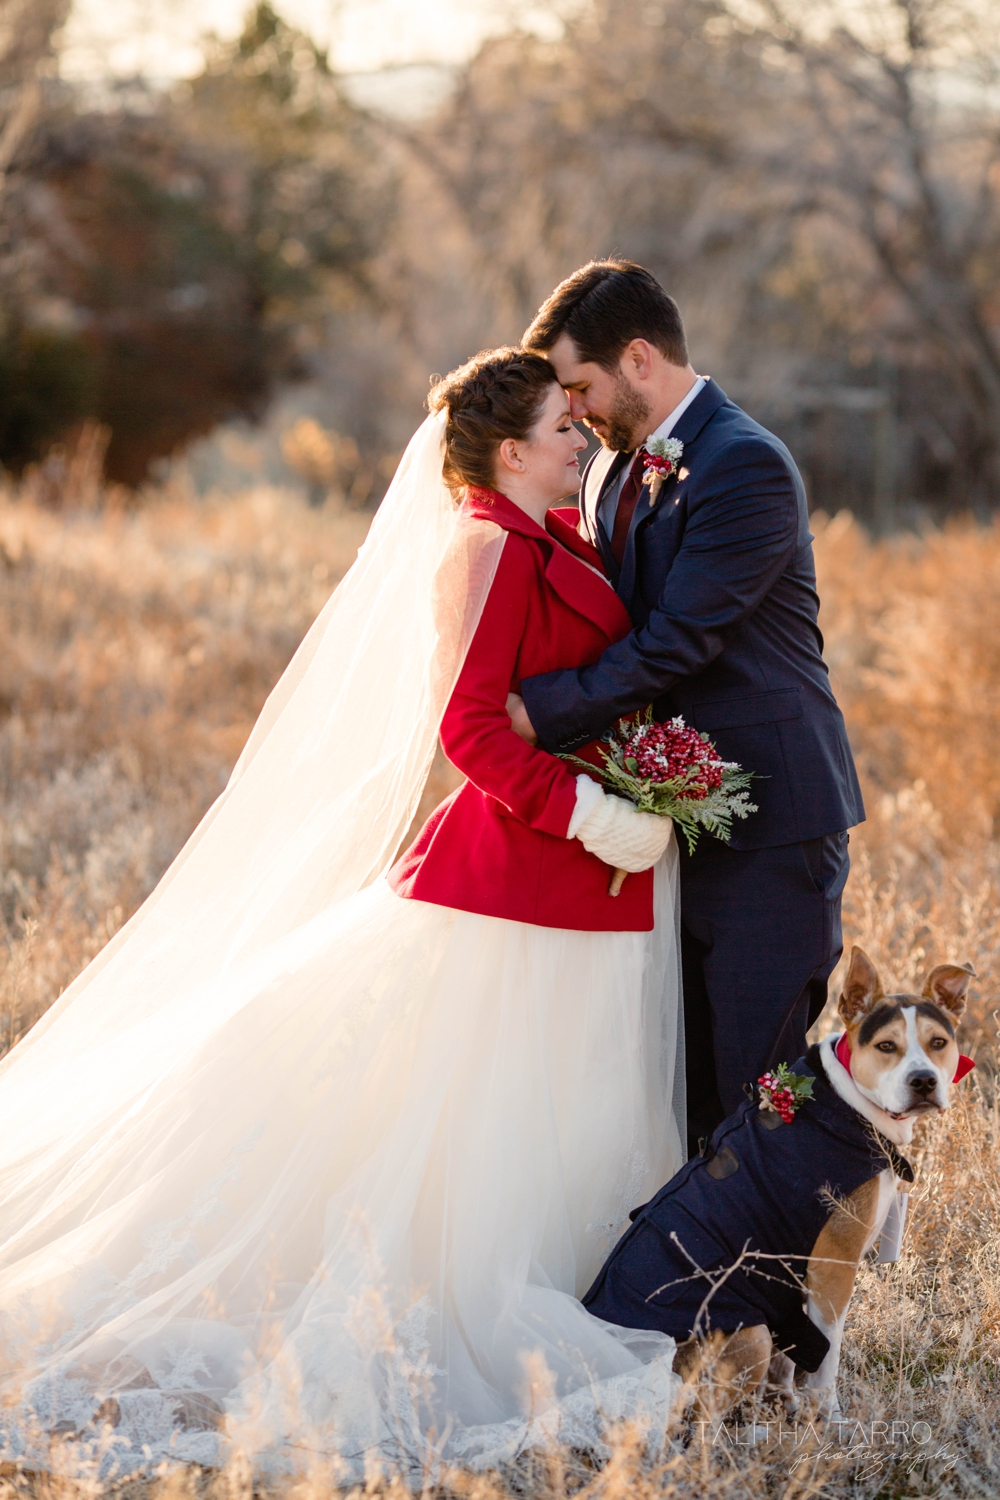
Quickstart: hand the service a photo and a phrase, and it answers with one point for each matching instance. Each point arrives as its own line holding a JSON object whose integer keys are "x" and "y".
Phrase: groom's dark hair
{"x": 603, "y": 307}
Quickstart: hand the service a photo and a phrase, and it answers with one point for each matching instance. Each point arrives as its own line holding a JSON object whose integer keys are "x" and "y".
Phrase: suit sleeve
{"x": 476, "y": 731}
{"x": 740, "y": 536}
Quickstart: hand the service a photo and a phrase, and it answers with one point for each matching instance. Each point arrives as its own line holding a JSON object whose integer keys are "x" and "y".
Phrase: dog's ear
{"x": 862, "y": 988}
{"x": 946, "y": 986}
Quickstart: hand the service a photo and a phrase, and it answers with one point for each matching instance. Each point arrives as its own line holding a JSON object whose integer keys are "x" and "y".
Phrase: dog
{"x": 748, "y": 1256}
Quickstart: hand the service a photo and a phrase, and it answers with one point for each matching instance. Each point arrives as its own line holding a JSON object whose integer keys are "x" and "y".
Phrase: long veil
{"x": 325, "y": 788}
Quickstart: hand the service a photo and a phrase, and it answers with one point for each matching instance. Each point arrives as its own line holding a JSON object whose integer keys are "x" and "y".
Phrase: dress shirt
{"x": 608, "y": 504}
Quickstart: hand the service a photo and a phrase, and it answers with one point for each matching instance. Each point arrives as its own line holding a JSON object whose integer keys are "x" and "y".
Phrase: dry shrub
{"x": 139, "y": 649}
{"x": 912, "y": 628}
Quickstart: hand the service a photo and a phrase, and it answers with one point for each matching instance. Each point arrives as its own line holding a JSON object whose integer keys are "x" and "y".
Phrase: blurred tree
{"x": 183, "y": 248}
{"x": 822, "y": 198}
{"x": 28, "y": 29}
{"x": 817, "y": 182}
{"x": 324, "y": 460}
{"x": 309, "y": 189}
{"x": 628, "y": 135}
{"x": 900, "y": 201}
{"x": 44, "y": 378}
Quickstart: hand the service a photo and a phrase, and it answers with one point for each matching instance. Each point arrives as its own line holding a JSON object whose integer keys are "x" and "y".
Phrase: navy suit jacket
{"x": 719, "y": 580}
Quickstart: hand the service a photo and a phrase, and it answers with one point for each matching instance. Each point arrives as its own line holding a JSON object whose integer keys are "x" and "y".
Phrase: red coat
{"x": 498, "y": 845}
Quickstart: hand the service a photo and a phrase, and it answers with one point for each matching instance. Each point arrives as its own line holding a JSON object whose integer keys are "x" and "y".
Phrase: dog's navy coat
{"x": 756, "y": 1188}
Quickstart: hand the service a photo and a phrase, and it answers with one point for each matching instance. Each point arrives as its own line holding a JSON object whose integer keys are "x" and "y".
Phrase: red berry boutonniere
{"x": 784, "y": 1091}
{"x": 661, "y": 459}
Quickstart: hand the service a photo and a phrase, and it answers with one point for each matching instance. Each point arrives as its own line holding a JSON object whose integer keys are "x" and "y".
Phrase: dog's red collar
{"x": 843, "y": 1051}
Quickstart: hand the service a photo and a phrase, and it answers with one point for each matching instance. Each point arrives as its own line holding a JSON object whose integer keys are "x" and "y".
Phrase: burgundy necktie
{"x": 627, "y": 501}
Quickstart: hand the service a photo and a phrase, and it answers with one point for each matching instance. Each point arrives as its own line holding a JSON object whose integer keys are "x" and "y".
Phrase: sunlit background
{"x": 224, "y": 220}
{"x": 162, "y": 40}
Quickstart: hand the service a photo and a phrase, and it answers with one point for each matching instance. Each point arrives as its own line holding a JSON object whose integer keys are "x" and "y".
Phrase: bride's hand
{"x": 519, "y": 721}
{"x": 622, "y": 836}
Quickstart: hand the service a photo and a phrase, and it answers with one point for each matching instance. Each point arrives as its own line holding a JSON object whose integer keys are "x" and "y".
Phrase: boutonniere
{"x": 784, "y": 1091}
{"x": 662, "y": 458}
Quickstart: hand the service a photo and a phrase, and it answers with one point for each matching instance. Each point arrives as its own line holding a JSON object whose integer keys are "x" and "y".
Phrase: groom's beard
{"x": 627, "y": 420}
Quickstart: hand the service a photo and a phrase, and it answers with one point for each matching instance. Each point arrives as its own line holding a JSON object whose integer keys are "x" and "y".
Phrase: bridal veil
{"x": 324, "y": 790}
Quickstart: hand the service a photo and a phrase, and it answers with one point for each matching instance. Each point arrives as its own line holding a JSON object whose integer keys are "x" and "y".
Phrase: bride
{"x": 316, "y": 1157}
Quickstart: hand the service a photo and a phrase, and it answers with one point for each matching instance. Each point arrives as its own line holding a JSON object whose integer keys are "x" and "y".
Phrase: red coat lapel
{"x": 587, "y": 591}
{"x": 566, "y": 524}
{"x": 569, "y": 566}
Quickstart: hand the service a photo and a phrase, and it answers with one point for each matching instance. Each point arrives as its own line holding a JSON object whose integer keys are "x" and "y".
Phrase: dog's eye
{"x": 885, "y": 1046}
{"x": 937, "y": 1042}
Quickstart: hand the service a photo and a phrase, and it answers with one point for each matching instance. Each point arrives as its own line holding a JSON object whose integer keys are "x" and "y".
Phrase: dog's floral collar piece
{"x": 842, "y": 1052}
{"x": 661, "y": 458}
{"x": 784, "y": 1091}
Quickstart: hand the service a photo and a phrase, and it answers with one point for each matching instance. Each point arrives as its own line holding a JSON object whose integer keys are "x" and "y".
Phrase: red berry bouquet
{"x": 672, "y": 770}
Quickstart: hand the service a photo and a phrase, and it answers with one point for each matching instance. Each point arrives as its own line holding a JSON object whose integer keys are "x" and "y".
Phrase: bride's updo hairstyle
{"x": 497, "y": 395}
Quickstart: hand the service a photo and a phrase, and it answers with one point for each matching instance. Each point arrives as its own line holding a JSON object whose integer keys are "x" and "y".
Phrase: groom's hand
{"x": 519, "y": 721}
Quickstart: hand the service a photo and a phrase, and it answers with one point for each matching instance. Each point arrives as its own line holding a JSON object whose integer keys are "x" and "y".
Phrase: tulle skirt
{"x": 357, "y": 1218}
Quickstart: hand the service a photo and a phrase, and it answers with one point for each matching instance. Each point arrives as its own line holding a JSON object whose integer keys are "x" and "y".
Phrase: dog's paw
{"x": 828, "y": 1405}
{"x": 791, "y": 1401}
{"x": 781, "y": 1382}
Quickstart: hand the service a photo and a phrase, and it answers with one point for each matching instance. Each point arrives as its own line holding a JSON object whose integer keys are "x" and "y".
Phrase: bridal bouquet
{"x": 672, "y": 770}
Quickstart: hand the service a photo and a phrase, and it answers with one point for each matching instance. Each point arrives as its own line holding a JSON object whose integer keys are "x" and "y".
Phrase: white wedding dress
{"x": 301, "y": 1168}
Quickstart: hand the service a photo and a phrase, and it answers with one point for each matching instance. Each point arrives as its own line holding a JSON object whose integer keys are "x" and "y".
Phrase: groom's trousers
{"x": 760, "y": 936}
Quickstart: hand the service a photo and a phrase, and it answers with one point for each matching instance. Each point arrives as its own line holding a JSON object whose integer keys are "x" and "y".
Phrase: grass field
{"x": 138, "y": 647}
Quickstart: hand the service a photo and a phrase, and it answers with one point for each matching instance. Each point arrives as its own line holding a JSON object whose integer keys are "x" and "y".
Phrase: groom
{"x": 717, "y": 573}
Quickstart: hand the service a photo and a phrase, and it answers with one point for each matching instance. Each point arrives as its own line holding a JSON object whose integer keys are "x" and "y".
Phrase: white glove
{"x": 616, "y": 831}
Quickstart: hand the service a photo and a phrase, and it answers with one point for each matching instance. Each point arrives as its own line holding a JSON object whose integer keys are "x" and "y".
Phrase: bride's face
{"x": 542, "y": 469}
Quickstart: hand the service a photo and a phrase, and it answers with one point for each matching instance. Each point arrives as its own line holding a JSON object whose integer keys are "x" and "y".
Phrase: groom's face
{"x": 607, "y": 401}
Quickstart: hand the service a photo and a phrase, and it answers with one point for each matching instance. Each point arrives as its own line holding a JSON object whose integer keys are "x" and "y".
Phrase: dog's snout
{"x": 923, "y": 1083}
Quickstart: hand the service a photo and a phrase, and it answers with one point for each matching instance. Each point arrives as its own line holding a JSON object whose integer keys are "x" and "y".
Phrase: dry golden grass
{"x": 138, "y": 649}
{"x": 912, "y": 629}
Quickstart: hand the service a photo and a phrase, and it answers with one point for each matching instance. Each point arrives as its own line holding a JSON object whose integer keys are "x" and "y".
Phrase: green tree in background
{"x": 169, "y": 260}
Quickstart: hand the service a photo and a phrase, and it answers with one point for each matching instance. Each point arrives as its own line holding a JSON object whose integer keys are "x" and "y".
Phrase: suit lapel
{"x": 602, "y": 470}
{"x": 689, "y": 426}
{"x": 701, "y": 410}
